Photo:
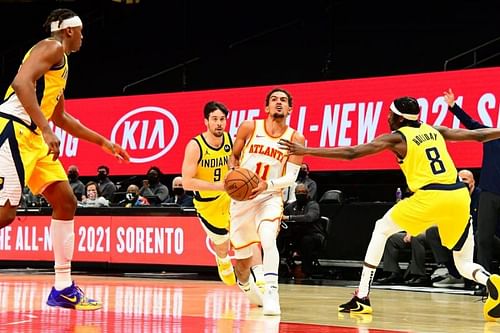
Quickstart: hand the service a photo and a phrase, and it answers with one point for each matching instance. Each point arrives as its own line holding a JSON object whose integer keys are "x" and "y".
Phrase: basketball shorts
{"x": 246, "y": 218}
{"x": 215, "y": 212}
{"x": 447, "y": 209}
{"x": 24, "y": 161}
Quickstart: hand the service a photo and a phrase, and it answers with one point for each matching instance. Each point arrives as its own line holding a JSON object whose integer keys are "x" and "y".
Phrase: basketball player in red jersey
{"x": 257, "y": 220}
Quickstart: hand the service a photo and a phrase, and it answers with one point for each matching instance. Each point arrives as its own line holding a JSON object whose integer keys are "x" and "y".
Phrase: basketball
{"x": 240, "y": 182}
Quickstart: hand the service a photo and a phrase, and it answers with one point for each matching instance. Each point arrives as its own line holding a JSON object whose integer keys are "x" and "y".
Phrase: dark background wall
{"x": 235, "y": 43}
{"x": 226, "y": 44}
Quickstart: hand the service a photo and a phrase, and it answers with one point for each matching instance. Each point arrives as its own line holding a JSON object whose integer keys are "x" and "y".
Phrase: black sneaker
{"x": 357, "y": 305}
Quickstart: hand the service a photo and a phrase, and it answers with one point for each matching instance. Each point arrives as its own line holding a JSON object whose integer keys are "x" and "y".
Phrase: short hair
{"x": 268, "y": 97}
{"x": 96, "y": 187}
{"x": 154, "y": 168}
{"x": 103, "y": 167}
{"x": 212, "y": 106}
{"x": 407, "y": 105}
{"x": 59, "y": 15}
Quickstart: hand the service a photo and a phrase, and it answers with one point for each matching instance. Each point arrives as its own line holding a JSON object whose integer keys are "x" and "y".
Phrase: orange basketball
{"x": 240, "y": 182}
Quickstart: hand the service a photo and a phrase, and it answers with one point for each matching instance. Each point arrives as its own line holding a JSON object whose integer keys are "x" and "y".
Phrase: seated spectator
{"x": 179, "y": 195}
{"x": 302, "y": 178}
{"x": 133, "y": 198}
{"x": 76, "y": 184}
{"x": 106, "y": 187}
{"x": 305, "y": 229}
{"x": 152, "y": 187}
{"x": 93, "y": 197}
{"x": 396, "y": 243}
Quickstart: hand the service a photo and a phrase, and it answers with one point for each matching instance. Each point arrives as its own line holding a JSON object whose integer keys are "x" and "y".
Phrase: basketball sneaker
{"x": 226, "y": 272}
{"x": 271, "y": 301}
{"x": 491, "y": 309}
{"x": 357, "y": 305}
{"x": 261, "y": 284}
{"x": 72, "y": 297}
{"x": 252, "y": 292}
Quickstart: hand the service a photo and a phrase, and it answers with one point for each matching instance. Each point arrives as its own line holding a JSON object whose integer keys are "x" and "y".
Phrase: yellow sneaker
{"x": 226, "y": 272}
{"x": 491, "y": 309}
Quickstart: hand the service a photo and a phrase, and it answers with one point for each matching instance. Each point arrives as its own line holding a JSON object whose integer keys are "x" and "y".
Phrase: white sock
{"x": 258, "y": 271}
{"x": 63, "y": 241}
{"x": 366, "y": 281}
{"x": 271, "y": 260}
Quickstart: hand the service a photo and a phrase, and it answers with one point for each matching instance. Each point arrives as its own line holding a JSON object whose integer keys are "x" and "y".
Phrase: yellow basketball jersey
{"x": 427, "y": 159}
{"x": 49, "y": 89}
{"x": 212, "y": 165}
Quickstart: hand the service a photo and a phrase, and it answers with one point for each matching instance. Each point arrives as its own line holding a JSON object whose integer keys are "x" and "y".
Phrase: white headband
{"x": 404, "y": 115}
{"x": 67, "y": 23}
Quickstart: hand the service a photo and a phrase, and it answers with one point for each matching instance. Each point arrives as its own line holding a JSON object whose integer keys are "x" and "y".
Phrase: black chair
{"x": 292, "y": 254}
{"x": 327, "y": 227}
{"x": 331, "y": 196}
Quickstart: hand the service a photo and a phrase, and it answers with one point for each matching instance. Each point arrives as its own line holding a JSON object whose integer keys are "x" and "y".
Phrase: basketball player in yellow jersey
{"x": 257, "y": 219}
{"x": 204, "y": 168}
{"x": 29, "y": 149}
{"x": 439, "y": 198}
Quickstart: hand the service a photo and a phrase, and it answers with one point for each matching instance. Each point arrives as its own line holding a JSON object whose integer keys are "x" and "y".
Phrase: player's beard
{"x": 278, "y": 115}
{"x": 218, "y": 133}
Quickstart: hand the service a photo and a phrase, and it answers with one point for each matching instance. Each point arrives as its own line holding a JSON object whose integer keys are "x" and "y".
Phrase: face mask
{"x": 153, "y": 178}
{"x": 131, "y": 196}
{"x": 101, "y": 175}
{"x": 301, "y": 198}
{"x": 72, "y": 175}
{"x": 178, "y": 191}
{"x": 302, "y": 174}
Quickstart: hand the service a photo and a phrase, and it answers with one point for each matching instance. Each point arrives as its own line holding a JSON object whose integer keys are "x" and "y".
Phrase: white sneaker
{"x": 450, "y": 282}
{"x": 252, "y": 292}
{"x": 271, "y": 301}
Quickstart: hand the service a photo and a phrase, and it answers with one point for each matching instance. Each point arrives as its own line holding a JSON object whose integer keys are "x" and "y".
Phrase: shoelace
{"x": 83, "y": 298}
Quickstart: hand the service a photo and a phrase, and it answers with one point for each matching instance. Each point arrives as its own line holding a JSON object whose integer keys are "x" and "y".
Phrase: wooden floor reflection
{"x": 166, "y": 305}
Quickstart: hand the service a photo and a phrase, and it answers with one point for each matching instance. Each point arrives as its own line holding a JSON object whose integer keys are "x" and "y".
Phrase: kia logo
{"x": 147, "y": 133}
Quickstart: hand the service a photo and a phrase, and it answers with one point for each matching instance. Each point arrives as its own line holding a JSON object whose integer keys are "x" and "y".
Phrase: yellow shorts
{"x": 215, "y": 212}
{"x": 24, "y": 161}
{"x": 447, "y": 209}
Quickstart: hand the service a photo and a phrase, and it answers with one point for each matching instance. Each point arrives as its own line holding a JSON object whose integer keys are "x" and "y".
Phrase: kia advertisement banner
{"x": 172, "y": 240}
{"x": 156, "y": 128}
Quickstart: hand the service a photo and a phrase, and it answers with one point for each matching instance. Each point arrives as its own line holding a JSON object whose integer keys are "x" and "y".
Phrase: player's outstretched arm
{"x": 385, "y": 141}
{"x": 68, "y": 123}
{"x": 459, "y": 134}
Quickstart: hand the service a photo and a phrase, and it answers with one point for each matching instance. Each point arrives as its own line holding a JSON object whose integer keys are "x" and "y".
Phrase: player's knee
{"x": 66, "y": 204}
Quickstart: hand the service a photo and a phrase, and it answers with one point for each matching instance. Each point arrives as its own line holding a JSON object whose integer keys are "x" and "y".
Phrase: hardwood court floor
{"x": 169, "y": 305}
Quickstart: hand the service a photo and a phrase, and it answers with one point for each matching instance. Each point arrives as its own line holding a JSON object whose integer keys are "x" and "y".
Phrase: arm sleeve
{"x": 311, "y": 213}
{"x": 465, "y": 119}
{"x": 290, "y": 176}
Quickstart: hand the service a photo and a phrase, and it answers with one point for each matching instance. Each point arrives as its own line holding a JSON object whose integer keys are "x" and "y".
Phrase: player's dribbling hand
{"x": 116, "y": 150}
{"x": 261, "y": 187}
{"x": 292, "y": 147}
